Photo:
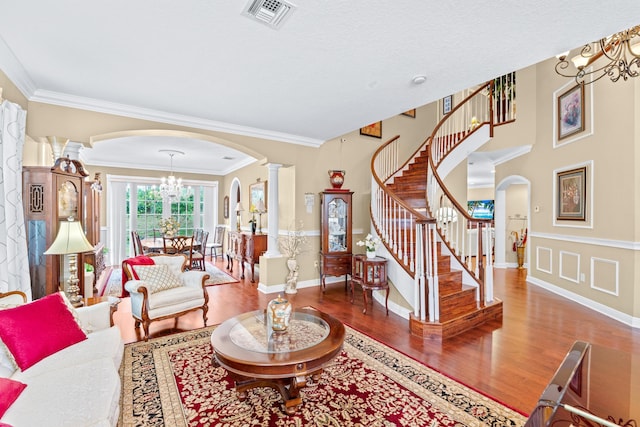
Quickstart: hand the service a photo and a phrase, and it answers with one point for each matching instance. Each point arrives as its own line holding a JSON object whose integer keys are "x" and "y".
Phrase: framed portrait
{"x": 225, "y": 207}
{"x": 374, "y": 129}
{"x": 447, "y": 104}
{"x": 571, "y": 193}
{"x": 410, "y": 113}
{"x": 571, "y": 112}
{"x": 258, "y": 196}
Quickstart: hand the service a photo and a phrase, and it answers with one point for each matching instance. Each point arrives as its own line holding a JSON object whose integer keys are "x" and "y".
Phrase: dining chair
{"x": 199, "y": 252}
{"x": 216, "y": 243}
{"x": 137, "y": 243}
{"x": 178, "y": 245}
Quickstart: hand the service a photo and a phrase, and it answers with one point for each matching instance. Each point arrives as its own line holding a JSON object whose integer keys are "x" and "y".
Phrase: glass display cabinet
{"x": 335, "y": 240}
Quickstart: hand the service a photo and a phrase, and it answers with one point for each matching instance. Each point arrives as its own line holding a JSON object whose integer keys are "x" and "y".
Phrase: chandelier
{"x": 614, "y": 56}
{"x": 171, "y": 187}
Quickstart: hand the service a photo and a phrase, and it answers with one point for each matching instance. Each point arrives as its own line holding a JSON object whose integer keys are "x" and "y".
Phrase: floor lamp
{"x": 71, "y": 241}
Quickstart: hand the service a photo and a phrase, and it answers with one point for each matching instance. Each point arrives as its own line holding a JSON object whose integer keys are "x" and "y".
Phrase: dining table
{"x": 156, "y": 245}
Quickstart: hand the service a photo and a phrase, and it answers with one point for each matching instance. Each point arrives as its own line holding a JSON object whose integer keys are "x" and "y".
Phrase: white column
{"x": 272, "y": 214}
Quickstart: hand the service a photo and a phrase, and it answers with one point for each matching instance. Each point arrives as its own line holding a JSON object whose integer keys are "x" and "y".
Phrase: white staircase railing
{"x": 410, "y": 234}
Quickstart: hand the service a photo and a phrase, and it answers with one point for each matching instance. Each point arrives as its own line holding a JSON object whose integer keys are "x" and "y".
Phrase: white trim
{"x": 538, "y": 250}
{"x": 588, "y": 131}
{"x": 618, "y": 244}
{"x": 561, "y": 267}
{"x": 634, "y": 322}
{"x": 90, "y": 104}
{"x": 589, "y": 209}
{"x": 617, "y": 278}
{"x": 15, "y": 71}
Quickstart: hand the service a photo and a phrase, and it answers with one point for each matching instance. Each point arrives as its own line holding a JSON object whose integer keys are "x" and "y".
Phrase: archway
{"x": 512, "y": 212}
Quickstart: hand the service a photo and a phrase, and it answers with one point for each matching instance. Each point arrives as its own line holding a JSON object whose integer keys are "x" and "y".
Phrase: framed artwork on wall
{"x": 258, "y": 196}
{"x": 374, "y": 129}
{"x": 410, "y": 113}
{"x": 225, "y": 207}
{"x": 447, "y": 104}
{"x": 570, "y": 118}
{"x": 572, "y": 194}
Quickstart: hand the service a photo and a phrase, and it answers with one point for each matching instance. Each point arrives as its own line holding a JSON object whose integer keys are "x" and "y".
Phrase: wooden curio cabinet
{"x": 51, "y": 195}
{"x": 335, "y": 239}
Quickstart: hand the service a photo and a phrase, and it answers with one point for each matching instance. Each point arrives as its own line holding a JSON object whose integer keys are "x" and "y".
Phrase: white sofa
{"x": 77, "y": 386}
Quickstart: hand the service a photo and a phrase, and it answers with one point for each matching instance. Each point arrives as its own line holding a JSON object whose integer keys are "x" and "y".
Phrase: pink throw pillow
{"x": 39, "y": 329}
{"x": 9, "y": 392}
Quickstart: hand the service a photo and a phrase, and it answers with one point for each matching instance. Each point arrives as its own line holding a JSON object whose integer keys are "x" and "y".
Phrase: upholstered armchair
{"x": 164, "y": 290}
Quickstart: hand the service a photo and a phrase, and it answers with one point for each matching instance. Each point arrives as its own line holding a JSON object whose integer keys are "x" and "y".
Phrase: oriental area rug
{"x": 170, "y": 381}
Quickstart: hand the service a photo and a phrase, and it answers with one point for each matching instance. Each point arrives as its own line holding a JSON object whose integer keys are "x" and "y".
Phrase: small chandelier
{"x": 618, "y": 56}
{"x": 171, "y": 187}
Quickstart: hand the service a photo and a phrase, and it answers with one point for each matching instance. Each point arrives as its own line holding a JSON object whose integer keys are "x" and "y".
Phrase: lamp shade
{"x": 260, "y": 206}
{"x": 70, "y": 240}
{"x": 239, "y": 207}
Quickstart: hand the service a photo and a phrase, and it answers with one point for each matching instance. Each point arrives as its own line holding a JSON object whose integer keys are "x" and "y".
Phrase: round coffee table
{"x": 257, "y": 356}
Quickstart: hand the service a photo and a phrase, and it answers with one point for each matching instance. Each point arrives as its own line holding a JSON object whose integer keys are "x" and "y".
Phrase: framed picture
{"x": 258, "y": 196}
{"x": 374, "y": 129}
{"x": 410, "y": 113}
{"x": 571, "y": 112}
{"x": 225, "y": 207}
{"x": 571, "y": 191}
{"x": 447, "y": 104}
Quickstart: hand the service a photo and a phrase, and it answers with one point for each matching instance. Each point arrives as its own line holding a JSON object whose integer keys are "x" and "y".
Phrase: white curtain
{"x": 117, "y": 202}
{"x": 14, "y": 262}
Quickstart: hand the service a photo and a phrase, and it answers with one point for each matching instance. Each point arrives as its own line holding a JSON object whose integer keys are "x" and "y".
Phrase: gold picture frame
{"x": 410, "y": 113}
{"x": 570, "y": 119}
{"x": 571, "y": 194}
{"x": 374, "y": 130}
{"x": 257, "y": 192}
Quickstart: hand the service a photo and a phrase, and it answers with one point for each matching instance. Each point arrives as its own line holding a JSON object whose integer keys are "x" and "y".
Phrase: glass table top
{"x": 253, "y": 333}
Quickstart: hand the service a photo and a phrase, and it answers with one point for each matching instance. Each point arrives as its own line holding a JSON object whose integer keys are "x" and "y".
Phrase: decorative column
{"x": 273, "y": 250}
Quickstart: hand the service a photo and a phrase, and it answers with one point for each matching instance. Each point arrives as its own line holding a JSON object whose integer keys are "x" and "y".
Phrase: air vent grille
{"x": 270, "y": 12}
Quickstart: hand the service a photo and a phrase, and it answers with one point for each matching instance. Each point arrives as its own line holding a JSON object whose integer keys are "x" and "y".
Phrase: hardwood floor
{"x": 511, "y": 361}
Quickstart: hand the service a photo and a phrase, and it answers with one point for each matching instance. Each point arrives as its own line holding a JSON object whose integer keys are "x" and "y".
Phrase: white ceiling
{"x": 331, "y": 68}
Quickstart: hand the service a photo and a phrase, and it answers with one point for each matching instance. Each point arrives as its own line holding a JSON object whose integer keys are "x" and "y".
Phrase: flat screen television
{"x": 480, "y": 209}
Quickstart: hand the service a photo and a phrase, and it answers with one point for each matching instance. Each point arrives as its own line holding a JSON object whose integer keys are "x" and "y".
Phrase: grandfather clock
{"x": 50, "y": 195}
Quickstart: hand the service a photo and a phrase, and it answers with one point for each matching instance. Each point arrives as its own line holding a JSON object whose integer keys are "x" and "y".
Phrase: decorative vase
{"x": 371, "y": 254}
{"x": 253, "y": 228}
{"x": 292, "y": 277}
{"x": 279, "y": 313}
{"x": 336, "y": 177}
{"x": 520, "y": 256}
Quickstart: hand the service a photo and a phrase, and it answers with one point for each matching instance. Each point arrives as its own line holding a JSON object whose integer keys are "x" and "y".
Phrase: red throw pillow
{"x": 9, "y": 392}
{"x": 36, "y": 330}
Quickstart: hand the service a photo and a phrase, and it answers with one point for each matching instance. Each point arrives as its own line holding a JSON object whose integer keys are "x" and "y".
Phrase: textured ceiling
{"x": 333, "y": 66}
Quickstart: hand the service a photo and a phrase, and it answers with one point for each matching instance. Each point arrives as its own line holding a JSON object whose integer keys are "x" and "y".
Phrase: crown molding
{"x": 72, "y": 101}
{"x": 15, "y": 71}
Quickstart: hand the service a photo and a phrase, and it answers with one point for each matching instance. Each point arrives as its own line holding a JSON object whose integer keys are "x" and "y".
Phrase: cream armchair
{"x": 157, "y": 295}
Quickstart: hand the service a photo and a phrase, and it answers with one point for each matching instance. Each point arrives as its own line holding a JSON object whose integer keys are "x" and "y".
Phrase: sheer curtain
{"x": 14, "y": 262}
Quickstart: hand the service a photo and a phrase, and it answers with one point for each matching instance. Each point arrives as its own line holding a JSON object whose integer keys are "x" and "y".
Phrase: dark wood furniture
{"x": 592, "y": 384}
{"x": 335, "y": 238}
{"x": 370, "y": 274}
{"x": 245, "y": 248}
{"x": 256, "y": 356}
{"x": 92, "y": 229}
{"x": 50, "y": 195}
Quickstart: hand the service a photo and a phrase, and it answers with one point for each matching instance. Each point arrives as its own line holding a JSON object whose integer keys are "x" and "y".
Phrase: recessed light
{"x": 418, "y": 80}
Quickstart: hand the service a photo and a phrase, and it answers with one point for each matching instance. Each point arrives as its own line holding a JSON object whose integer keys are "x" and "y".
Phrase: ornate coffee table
{"x": 256, "y": 356}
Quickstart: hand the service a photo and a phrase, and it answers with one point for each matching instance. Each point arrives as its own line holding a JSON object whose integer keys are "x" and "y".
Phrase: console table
{"x": 245, "y": 247}
{"x": 370, "y": 274}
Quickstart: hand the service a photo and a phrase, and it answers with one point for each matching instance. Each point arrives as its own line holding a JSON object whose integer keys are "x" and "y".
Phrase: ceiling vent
{"x": 270, "y": 12}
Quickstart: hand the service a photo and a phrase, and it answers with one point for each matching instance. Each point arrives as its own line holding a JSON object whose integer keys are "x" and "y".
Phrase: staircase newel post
{"x": 480, "y": 262}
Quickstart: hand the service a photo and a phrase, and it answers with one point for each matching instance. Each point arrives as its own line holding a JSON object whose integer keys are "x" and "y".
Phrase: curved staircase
{"x": 428, "y": 232}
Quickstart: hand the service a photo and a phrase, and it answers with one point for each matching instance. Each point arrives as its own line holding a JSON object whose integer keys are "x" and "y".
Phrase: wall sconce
{"x": 309, "y": 201}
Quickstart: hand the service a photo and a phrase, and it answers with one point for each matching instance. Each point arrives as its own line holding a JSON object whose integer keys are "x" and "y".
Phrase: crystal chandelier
{"x": 171, "y": 187}
{"x": 614, "y": 56}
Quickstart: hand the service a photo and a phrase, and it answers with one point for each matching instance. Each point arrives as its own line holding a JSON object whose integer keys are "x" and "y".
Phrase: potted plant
{"x": 371, "y": 244}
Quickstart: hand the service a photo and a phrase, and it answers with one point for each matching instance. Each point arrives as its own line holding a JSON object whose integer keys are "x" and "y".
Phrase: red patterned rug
{"x": 170, "y": 381}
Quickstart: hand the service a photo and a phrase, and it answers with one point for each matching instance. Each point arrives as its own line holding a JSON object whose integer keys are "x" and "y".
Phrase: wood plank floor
{"x": 511, "y": 361}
